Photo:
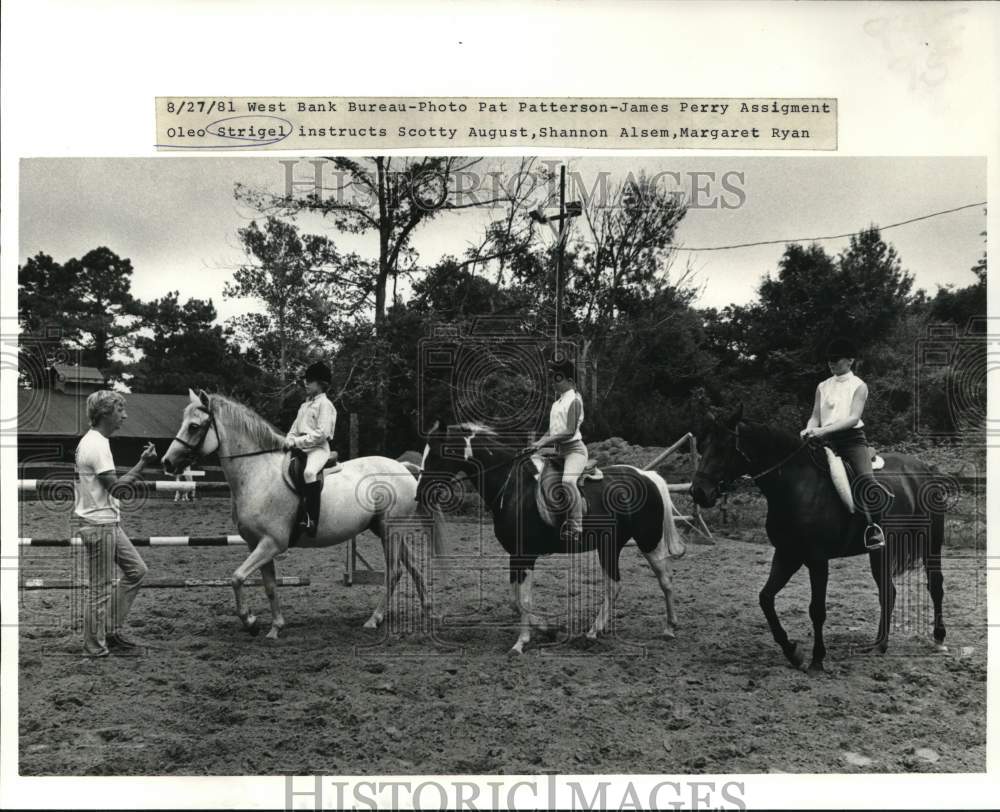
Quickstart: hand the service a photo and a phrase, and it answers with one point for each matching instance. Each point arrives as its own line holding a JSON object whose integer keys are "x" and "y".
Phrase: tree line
{"x": 649, "y": 356}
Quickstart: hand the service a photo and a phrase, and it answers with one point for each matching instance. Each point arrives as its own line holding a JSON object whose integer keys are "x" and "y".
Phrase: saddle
{"x": 548, "y": 473}
{"x": 842, "y": 475}
{"x": 297, "y": 465}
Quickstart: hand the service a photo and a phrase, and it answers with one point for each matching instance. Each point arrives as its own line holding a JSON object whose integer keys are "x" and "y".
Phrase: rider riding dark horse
{"x": 836, "y": 419}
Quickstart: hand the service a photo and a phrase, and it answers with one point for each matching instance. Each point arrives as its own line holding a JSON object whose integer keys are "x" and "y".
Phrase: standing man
{"x": 99, "y": 525}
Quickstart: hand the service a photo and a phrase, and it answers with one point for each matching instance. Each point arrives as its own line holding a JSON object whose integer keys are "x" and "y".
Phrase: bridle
{"x": 515, "y": 460}
{"x": 210, "y": 424}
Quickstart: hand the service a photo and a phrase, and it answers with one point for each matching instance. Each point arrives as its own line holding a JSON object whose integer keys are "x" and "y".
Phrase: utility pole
{"x": 566, "y": 211}
{"x": 559, "y": 252}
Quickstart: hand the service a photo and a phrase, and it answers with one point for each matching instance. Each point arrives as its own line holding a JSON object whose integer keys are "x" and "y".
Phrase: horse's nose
{"x": 701, "y": 497}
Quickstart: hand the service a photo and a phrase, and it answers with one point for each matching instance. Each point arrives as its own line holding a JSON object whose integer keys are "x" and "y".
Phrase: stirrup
{"x": 881, "y": 534}
{"x": 568, "y": 534}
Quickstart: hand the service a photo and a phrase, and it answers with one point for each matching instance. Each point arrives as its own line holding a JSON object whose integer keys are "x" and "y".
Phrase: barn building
{"x": 53, "y": 417}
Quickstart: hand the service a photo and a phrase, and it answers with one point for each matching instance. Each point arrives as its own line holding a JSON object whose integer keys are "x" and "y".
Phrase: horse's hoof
{"x": 815, "y": 669}
{"x": 670, "y": 633}
{"x": 273, "y": 633}
{"x": 592, "y": 635}
{"x": 251, "y": 625}
{"x": 371, "y": 623}
{"x": 517, "y": 648}
{"x": 795, "y": 656}
{"x": 940, "y": 648}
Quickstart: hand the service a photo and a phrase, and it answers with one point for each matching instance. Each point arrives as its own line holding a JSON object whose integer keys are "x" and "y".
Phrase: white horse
{"x": 369, "y": 493}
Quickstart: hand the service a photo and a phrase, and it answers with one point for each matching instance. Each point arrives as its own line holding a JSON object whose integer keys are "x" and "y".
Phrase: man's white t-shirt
{"x": 93, "y": 502}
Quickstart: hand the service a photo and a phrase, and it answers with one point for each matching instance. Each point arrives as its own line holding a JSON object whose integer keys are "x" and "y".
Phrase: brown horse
{"x": 808, "y": 523}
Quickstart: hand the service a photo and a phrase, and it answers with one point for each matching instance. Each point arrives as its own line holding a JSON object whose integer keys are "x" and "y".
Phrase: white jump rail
{"x": 144, "y": 541}
{"x": 695, "y": 520}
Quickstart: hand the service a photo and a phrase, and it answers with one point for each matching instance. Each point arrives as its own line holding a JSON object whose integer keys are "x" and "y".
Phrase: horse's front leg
{"x": 783, "y": 567}
{"x": 819, "y": 573}
{"x": 264, "y": 552}
{"x": 267, "y": 574}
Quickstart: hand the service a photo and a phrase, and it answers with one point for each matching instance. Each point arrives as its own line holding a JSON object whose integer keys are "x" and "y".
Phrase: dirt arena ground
{"x": 330, "y": 697}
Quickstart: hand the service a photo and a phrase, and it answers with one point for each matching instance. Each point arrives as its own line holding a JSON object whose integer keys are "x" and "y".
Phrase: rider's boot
{"x": 313, "y": 495}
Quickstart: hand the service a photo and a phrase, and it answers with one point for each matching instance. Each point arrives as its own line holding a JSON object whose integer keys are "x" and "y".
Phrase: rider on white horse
{"x": 312, "y": 432}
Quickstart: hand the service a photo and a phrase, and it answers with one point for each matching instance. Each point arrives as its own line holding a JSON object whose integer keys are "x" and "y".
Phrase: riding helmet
{"x": 841, "y": 348}
{"x": 563, "y": 368}
{"x": 318, "y": 372}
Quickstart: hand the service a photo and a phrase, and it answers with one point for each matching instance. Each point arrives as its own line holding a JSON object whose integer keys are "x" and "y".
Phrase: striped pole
{"x": 144, "y": 541}
{"x": 63, "y": 486}
{"x": 159, "y": 583}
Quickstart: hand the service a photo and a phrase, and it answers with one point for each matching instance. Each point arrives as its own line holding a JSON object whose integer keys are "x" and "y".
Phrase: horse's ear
{"x": 203, "y": 395}
{"x": 194, "y": 397}
{"x": 710, "y": 418}
{"x": 434, "y": 427}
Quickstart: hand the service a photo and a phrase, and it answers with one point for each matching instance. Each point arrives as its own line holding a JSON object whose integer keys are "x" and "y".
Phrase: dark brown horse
{"x": 808, "y": 523}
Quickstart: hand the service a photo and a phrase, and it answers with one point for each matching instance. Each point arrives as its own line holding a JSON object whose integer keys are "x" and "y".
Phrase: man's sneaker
{"x": 874, "y": 537}
{"x": 122, "y": 645}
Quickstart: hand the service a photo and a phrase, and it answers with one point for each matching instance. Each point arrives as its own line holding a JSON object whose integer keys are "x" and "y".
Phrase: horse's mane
{"x": 242, "y": 418}
{"x": 782, "y": 440}
{"x": 491, "y": 439}
{"x": 476, "y": 428}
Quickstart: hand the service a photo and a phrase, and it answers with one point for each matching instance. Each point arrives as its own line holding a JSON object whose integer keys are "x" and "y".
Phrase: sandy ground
{"x": 330, "y": 697}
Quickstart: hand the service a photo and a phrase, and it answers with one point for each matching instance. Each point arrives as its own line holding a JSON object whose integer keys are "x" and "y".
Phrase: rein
{"x": 772, "y": 468}
{"x": 211, "y": 424}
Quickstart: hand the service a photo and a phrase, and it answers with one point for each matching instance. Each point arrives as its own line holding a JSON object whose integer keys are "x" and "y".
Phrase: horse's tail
{"x": 412, "y": 468}
{"x": 916, "y": 548}
{"x": 675, "y": 544}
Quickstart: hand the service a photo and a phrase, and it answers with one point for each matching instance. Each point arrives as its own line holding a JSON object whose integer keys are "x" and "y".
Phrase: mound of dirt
{"x": 617, "y": 451}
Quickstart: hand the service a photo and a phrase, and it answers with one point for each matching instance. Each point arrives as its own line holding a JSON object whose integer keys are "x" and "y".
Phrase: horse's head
{"x": 448, "y": 454}
{"x": 197, "y": 436}
{"x": 722, "y": 448}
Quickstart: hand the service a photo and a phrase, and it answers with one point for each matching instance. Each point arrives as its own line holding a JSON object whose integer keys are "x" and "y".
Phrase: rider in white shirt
{"x": 565, "y": 418}
{"x": 836, "y": 417}
{"x": 312, "y": 432}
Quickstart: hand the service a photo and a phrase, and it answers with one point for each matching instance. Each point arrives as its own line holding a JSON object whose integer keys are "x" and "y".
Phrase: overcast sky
{"x": 176, "y": 218}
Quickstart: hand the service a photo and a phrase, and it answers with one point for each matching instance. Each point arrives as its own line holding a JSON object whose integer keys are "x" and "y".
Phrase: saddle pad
{"x": 838, "y": 473}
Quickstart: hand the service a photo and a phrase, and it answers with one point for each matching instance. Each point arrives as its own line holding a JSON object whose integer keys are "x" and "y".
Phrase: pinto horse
{"x": 635, "y": 504}
{"x": 368, "y": 493}
{"x": 808, "y": 523}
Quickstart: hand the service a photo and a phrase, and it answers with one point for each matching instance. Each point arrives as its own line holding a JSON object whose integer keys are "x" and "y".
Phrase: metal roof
{"x": 47, "y": 412}
{"x": 79, "y": 374}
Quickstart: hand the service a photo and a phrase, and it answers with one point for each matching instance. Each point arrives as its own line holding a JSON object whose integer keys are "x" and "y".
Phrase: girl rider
{"x": 312, "y": 431}
{"x": 836, "y": 417}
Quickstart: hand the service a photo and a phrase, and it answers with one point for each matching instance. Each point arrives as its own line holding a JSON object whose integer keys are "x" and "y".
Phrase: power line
{"x": 834, "y": 237}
